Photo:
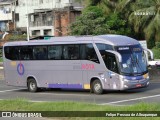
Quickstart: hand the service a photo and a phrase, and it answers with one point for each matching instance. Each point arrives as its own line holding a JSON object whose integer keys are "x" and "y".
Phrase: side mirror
{"x": 151, "y": 57}
{"x": 116, "y": 54}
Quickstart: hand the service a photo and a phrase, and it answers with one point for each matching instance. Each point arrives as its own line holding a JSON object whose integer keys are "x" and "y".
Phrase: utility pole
{"x": 27, "y": 20}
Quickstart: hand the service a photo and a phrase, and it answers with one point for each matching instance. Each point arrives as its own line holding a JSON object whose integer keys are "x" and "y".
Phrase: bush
{"x": 17, "y": 37}
{"x": 151, "y": 43}
{"x": 157, "y": 44}
{"x": 156, "y": 52}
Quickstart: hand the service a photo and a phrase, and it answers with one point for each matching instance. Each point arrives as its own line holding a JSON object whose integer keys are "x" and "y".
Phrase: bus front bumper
{"x": 128, "y": 84}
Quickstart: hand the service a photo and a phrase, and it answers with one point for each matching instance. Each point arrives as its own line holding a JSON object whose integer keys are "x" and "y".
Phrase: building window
{"x": 40, "y": 1}
{"x": 58, "y": 1}
{"x": 16, "y": 17}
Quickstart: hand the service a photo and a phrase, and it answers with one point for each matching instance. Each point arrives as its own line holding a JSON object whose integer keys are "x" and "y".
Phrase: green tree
{"x": 141, "y": 16}
{"x": 91, "y": 22}
{"x": 118, "y": 25}
{"x": 145, "y": 19}
{"x": 107, "y": 6}
{"x": 142, "y": 26}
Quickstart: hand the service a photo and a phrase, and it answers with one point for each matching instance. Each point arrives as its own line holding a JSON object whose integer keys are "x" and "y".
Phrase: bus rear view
{"x": 96, "y": 63}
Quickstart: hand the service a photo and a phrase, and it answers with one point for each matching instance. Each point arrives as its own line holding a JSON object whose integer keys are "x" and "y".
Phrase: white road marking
{"x": 11, "y": 90}
{"x": 121, "y": 101}
{"x": 118, "y": 105}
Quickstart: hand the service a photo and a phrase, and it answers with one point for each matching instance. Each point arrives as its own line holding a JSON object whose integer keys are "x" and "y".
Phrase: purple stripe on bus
{"x": 77, "y": 86}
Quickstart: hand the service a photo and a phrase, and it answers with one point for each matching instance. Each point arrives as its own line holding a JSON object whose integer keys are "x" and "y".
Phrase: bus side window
{"x": 12, "y": 52}
{"x": 71, "y": 52}
{"x": 88, "y": 53}
{"x": 26, "y": 53}
{"x": 40, "y": 52}
{"x": 65, "y": 53}
{"x": 55, "y": 52}
{"x": 111, "y": 63}
{"x": 7, "y": 53}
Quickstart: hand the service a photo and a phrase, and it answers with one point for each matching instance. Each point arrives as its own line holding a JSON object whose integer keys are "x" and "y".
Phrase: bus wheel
{"x": 97, "y": 87}
{"x": 32, "y": 85}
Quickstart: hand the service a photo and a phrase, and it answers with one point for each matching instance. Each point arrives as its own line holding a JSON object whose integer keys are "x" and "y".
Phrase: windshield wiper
{"x": 135, "y": 60}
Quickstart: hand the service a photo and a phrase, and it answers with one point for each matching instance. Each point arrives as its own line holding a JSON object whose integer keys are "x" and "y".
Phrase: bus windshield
{"x": 133, "y": 60}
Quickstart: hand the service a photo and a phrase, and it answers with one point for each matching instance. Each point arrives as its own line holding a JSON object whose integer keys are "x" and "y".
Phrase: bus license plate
{"x": 138, "y": 85}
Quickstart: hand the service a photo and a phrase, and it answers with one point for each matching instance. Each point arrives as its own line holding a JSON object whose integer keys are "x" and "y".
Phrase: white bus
{"x": 98, "y": 63}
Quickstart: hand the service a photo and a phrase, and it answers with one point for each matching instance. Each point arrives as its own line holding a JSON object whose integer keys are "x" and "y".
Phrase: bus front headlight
{"x": 125, "y": 80}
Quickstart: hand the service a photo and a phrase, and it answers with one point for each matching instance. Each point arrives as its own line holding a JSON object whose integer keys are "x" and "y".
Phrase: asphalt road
{"x": 149, "y": 94}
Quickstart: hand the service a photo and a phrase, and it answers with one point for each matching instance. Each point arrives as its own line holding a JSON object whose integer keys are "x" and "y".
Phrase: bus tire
{"x": 97, "y": 87}
{"x": 32, "y": 85}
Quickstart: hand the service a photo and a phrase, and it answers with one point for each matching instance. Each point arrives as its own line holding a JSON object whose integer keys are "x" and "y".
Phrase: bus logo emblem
{"x": 20, "y": 69}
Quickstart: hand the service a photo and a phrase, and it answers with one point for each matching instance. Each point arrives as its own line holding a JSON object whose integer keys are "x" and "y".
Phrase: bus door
{"x": 90, "y": 63}
{"x": 112, "y": 73}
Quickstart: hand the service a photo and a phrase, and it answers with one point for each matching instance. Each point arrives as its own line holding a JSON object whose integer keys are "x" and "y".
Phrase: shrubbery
{"x": 156, "y": 50}
{"x": 17, "y": 37}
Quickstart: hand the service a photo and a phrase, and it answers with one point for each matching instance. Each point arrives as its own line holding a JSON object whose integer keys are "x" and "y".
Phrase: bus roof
{"x": 115, "y": 40}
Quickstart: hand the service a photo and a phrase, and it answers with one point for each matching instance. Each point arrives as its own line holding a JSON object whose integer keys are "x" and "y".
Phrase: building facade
{"x": 7, "y": 15}
{"x": 40, "y": 15}
{"x": 63, "y": 18}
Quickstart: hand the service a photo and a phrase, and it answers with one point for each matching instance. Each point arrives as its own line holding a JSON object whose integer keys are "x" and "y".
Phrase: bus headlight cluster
{"x": 125, "y": 80}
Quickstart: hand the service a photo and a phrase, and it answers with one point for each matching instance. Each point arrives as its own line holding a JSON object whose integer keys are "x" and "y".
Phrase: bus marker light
{"x": 86, "y": 86}
{"x": 13, "y": 63}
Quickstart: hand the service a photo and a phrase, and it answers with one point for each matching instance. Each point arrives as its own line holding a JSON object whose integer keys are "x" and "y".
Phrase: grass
{"x": 25, "y": 105}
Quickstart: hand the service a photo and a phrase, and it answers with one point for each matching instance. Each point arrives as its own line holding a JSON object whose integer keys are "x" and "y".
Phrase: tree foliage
{"x": 136, "y": 18}
{"x": 91, "y": 22}
{"x": 148, "y": 23}
{"x": 118, "y": 25}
